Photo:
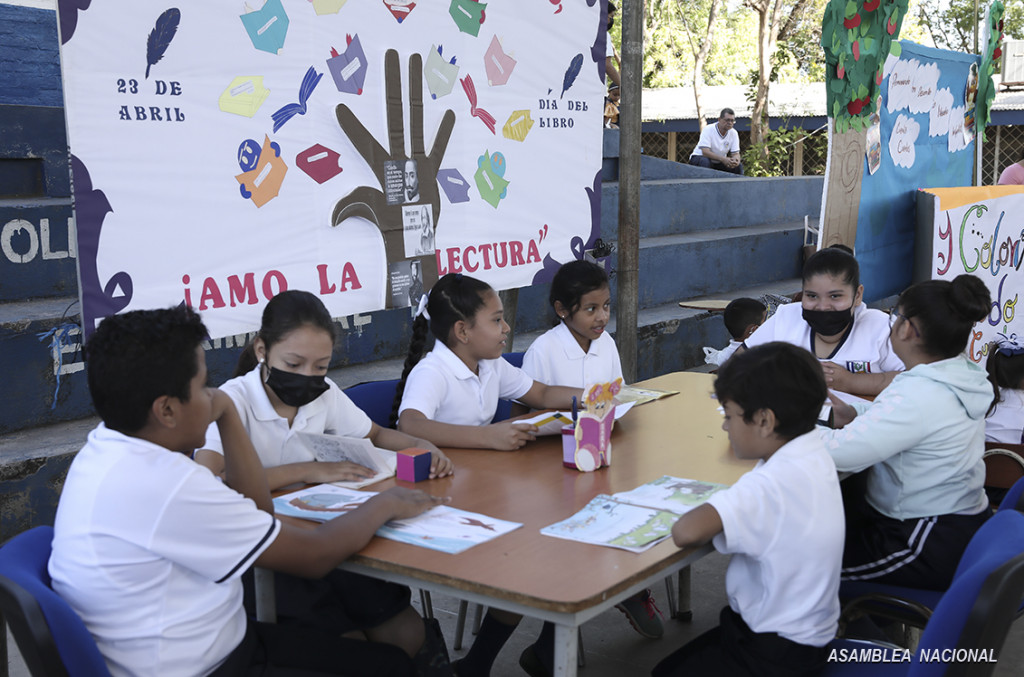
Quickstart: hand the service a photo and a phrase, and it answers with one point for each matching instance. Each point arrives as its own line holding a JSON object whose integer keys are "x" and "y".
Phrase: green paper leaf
{"x": 896, "y": 49}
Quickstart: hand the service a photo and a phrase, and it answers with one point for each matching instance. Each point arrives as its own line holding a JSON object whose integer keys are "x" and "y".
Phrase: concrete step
{"x": 673, "y": 206}
{"x": 677, "y": 267}
{"x": 37, "y": 248}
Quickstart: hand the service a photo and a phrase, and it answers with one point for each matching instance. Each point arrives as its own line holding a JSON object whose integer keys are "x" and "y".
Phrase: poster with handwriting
{"x": 922, "y": 145}
{"x": 225, "y": 151}
{"x": 978, "y": 231}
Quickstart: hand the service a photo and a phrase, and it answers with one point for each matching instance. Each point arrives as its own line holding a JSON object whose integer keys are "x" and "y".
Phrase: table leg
{"x": 683, "y": 611}
{"x": 566, "y": 648}
{"x": 266, "y": 606}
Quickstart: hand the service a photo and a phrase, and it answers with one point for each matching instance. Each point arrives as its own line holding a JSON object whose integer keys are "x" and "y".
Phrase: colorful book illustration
{"x": 497, "y": 64}
{"x": 262, "y": 183}
{"x": 266, "y": 26}
{"x": 605, "y": 521}
{"x": 441, "y": 528}
{"x": 441, "y": 74}
{"x": 454, "y": 185}
{"x": 358, "y": 450}
{"x": 518, "y": 125}
{"x": 322, "y": 7}
{"x": 244, "y": 96}
{"x": 635, "y": 520}
{"x": 671, "y": 494}
{"x": 641, "y": 395}
{"x": 319, "y": 162}
{"x": 349, "y": 68}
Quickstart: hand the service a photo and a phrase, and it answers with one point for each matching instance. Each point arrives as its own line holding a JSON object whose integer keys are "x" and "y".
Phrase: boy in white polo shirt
{"x": 782, "y": 522}
{"x": 149, "y": 547}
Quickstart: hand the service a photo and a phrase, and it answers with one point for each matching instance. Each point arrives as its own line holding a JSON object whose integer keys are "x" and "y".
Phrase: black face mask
{"x": 828, "y": 322}
{"x": 296, "y": 390}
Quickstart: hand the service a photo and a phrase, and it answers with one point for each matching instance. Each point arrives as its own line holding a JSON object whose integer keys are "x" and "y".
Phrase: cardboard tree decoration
{"x": 993, "y": 52}
{"x": 857, "y": 38}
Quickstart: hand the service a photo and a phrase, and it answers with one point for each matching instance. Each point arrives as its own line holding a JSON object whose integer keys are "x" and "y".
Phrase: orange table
{"x": 549, "y": 578}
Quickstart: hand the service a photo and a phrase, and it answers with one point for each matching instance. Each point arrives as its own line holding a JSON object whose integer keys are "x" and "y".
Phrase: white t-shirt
{"x": 332, "y": 413}
{"x": 866, "y": 349}
{"x": 556, "y": 359}
{"x": 716, "y": 142}
{"x": 148, "y": 549}
{"x": 443, "y": 389}
{"x": 1006, "y": 424}
{"x": 783, "y": 524}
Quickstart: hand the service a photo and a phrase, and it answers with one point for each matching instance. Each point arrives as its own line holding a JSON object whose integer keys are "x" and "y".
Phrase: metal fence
{"x": 806, "y": 158}
{"x": 1003, "y": 146}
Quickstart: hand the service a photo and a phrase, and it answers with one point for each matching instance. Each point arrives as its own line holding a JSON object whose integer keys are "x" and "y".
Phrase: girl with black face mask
{"x": 281, "y": 389}
{"x": 831, "y": 321}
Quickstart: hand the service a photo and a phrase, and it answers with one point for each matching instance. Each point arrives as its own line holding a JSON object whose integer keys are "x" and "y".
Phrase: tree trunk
{"x": 842, "y": 193}
{"x": 768, "y": 25}
{"x": 699, "y": 58}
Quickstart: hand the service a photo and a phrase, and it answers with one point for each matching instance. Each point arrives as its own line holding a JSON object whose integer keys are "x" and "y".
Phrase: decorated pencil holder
{"x": 413, "y": 465}
{"x": 589, "y": 446}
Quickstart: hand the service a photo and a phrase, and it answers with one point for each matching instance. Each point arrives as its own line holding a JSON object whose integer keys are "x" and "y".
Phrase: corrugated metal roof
{"x": 784, "y": 100}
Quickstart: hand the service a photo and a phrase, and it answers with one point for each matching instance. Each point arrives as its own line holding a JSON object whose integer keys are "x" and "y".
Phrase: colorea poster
{"x": 225, "y": 151}
{"x": 923, "y": 141}
{"x": 979, "y": 231}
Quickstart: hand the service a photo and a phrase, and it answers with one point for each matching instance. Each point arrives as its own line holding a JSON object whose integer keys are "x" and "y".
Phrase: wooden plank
{"x": 842, "y": 191}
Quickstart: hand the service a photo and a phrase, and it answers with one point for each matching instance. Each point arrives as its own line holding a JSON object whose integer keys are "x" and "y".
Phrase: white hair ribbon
{"x": 421, "y": 309}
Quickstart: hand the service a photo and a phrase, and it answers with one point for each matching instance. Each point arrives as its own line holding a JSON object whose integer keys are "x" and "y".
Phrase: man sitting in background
{"x": 719, "y": 145}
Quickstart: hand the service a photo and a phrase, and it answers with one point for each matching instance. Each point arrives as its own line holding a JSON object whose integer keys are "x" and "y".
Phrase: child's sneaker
{"x": 643, "y": 614}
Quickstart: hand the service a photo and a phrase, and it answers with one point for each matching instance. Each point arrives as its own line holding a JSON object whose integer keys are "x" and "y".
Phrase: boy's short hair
{"x": 134, "y": 358}
{"x": 741, "y": 313}
{"x": 777, "y": 376}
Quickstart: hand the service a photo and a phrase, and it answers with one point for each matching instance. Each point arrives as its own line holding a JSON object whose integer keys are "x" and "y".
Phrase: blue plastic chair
{"x": 375, "y": 398}
{"x": 51, "y": 637}
{"x": 504, "y": 410}
{"x": 910, "y": 606}
{"x": 975, "y": 613}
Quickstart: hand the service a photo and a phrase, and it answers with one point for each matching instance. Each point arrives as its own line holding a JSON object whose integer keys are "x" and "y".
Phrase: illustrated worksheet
{"x": 441, "y": 528}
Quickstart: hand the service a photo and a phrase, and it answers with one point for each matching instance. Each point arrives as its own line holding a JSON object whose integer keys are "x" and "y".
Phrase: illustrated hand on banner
{"x": 408, "y": 185}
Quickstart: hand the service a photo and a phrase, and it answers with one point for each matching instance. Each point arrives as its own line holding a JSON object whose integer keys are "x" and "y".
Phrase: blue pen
{"x": 574, "y": 415}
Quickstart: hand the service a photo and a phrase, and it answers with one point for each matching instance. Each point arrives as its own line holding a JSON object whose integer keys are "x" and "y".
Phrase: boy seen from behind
{"x": 149, "y": 547}
{"x": 782, "y": 522}
{"x": 742, "y": 316}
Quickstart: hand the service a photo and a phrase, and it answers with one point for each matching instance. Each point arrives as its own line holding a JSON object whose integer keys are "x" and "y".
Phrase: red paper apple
{"x": 856, "y": 50}
{"x": 871, "y": 5}
{"x": 891, "y": 26}
{"x": 852, "y": 22}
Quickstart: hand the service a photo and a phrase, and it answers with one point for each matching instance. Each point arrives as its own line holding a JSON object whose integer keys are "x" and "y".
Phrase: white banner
{"x": 980, "y": 231}
{"x": 355, "y": 149}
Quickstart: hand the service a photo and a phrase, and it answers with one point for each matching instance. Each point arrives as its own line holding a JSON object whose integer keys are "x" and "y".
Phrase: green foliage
{"x": 950, "y": 23}
{"x": 856, "y": 37}
{"x": 774, "y": 156}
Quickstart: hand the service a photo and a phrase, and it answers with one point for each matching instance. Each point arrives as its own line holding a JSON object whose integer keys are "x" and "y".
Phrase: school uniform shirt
{"x": 720, "y": 357}
{"x": 783, "y": 524}
{"x": 556, "y": 359}
{"x": 443, "y": 388}
{"x": 865, "y": 350}
{"x": 275, "y": 441}
{"x": 718, "y": 143}
{"x": 1006, "y": 424}
{"x": 921, "y": 440}
{"x": 149, "y": 548}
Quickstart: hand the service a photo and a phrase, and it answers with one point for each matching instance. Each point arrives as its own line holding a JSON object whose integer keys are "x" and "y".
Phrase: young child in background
{"x": 576, "y": 353}
{"x": 149, "y": 547}
{"x": 451, "y": 395}
{"x": 850, "y": 339}
{"x": 1005, "y": 367}
{"x": 280, "y": 389}
{"x": 782, "y": 522}
{"x": 921, "y": 442}
{"x": 742, "y": 316}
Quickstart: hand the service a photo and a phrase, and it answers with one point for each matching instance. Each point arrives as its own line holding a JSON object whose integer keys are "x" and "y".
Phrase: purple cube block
{"x": 413, "y": 465}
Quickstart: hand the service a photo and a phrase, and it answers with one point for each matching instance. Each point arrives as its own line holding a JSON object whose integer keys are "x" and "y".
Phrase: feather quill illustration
{"x": 290, "y": 110}
{"x": 161, "y": 35}
{"x": 570, "y": 74}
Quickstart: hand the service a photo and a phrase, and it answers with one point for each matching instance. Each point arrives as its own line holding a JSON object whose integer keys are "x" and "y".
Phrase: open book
{"x": 359, "y": 450}
{"x": 634, "y": 395}
{"x": 441, "y": 528}
{"x": 634, "y": 520}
